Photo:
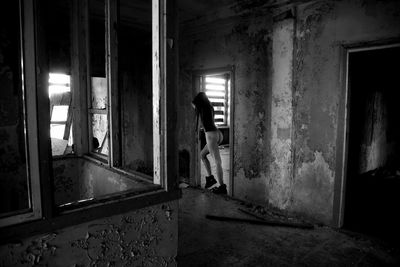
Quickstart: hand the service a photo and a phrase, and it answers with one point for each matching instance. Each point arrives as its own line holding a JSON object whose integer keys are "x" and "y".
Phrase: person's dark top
{"x": 205, "y": 110}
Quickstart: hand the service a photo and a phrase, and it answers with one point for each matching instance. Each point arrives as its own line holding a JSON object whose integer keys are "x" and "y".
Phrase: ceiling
{"x": 191, "y": 9}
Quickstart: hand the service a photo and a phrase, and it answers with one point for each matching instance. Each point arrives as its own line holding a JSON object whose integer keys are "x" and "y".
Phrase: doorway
{"x": 372, "y": 172}
{"x": 217, "y": 85}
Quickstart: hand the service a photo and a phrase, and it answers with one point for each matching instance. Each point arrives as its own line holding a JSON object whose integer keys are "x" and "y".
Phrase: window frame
{"x": 49, "y": 218}
{"x": 28, "y": 80}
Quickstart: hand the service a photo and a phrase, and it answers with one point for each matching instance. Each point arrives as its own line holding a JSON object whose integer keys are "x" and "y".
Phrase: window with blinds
{"x": 217, "y": 91}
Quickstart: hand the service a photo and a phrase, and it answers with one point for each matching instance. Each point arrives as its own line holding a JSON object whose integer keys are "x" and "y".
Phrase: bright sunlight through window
{"x": 59, "y": 83}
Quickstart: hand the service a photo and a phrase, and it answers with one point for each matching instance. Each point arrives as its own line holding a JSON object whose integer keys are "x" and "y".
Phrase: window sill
{"x": 80, "y": 211}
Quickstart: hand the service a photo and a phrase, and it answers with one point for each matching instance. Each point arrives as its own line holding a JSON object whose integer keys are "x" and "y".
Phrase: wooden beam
{"x": 79, "y": 75}
{"x": 158, "y": 97}
{"x": 37, "y": 78}
{"x": 112, "y": 82}
{"x": 171, "y": 71}
{"x": 258, "y": 222}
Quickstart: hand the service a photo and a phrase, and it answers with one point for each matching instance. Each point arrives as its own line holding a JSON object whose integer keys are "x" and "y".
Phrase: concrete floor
{"x": 204, "y": 242}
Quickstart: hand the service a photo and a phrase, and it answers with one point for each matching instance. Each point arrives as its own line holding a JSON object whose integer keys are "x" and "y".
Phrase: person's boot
{"x": 210, "y": 181}
{"x": 220, "y": 190}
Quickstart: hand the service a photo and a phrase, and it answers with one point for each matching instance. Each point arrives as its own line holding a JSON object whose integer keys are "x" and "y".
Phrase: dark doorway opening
{"x": 373, "y": 165}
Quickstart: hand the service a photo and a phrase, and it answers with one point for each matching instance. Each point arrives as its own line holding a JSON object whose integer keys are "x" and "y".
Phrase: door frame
{"x": 229, "y": 69}
{"x": 342, "y": 140}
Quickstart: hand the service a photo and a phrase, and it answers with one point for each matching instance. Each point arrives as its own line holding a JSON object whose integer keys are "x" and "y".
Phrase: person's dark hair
{"x": 201, "y": 102}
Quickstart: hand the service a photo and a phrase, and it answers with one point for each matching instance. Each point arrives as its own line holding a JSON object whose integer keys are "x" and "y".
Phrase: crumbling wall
{"x": 146, "y": 237}
{"x": 240, "y": 38}
{"x": 281, "y": 113}
{"x": 322, "y": 28}
{"x": 285, "y": 125}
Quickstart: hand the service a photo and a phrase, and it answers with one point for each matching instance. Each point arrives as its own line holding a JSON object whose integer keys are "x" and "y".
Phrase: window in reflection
{"x": 98, "y": 93}
{"x": 58, "y": 36}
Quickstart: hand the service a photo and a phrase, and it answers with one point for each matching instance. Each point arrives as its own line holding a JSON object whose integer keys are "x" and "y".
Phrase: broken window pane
{"x": 100, "y": 133}
{"x": 57, "y": 131}
{"x": 99, "y": 93}
{"x": 60, "y": 113}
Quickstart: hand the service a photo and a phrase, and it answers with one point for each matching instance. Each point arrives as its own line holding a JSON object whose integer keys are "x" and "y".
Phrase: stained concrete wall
{"x": 281, "y": 113}
{"x": 146, "y": 237}
{"x": 322, "y": 28}
{"x": 291, "y": 166}
{"x": 216, "y": 41}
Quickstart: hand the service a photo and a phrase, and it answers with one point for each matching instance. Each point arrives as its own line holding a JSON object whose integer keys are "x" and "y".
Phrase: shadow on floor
{"x": 203, "y": 242}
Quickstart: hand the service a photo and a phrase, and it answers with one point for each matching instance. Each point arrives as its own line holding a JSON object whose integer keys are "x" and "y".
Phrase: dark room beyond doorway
{"x": 373, "y": 165}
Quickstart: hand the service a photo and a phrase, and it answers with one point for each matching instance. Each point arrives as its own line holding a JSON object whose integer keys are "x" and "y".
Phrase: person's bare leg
{"x": 203, "y": 155}
{"x": 212, "y": 143}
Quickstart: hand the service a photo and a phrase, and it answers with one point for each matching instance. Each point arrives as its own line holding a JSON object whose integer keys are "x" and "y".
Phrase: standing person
{"x": 214, "y": 137}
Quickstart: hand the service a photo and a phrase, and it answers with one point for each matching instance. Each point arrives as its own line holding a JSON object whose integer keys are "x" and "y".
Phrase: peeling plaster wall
{"x": 146, "y": 237}
{"x": 240, "y": 38}
{"x": 292, "y": 165}
{"x": 282, "y": 114}
{"x": 322, "y": 27}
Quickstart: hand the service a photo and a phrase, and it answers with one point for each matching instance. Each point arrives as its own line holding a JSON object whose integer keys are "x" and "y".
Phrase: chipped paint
{"x": 322, "y": 28}
{"x": 313, "y": 189}
{"x": 146, "y": 237}
{"x": 281, "y": 113}
{"x": 242, "y": 39}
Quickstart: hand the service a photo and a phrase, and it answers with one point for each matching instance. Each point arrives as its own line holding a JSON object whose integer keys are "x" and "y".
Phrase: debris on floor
{"x": 205, "y": 242}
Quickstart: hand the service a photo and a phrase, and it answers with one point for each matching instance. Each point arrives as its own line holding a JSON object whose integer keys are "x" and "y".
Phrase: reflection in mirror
{"x": 135, "y": 85}
{"x": 14, "y": 184}
{"x": 98, "y": 95}
{"x": 79, "y": 180}
{"x": 100, "y": 133}
{"x": 59, "y": 51}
